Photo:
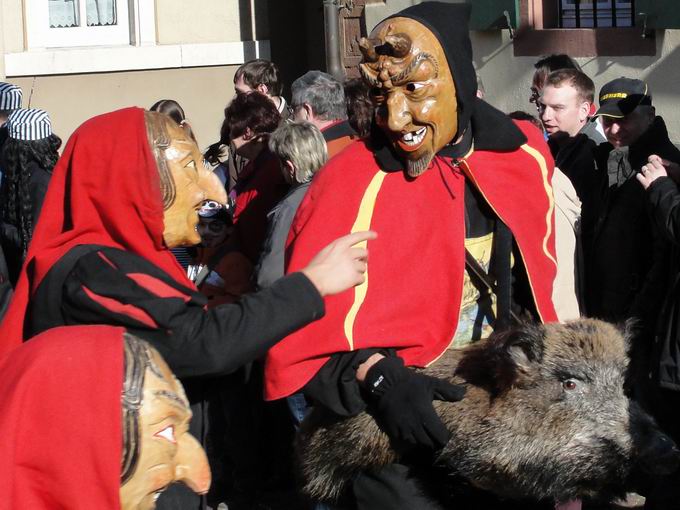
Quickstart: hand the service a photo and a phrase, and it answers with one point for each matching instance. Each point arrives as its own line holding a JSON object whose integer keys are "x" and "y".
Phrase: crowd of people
{"x": 261, "y": 257}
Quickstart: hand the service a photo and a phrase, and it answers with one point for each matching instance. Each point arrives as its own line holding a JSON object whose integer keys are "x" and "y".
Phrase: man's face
{"x": 193, "y": 184}
{"x": 167, "y": 452}
{"x": 562, "y": 110}
{"x": 213, "y": 232}
{"x": 241, "y": 87}
{"x": 413, "y": 90}
{"x": 626, "y": 130}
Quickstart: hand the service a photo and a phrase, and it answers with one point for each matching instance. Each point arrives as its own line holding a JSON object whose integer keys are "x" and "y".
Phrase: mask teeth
{"x": 414, "y": 137}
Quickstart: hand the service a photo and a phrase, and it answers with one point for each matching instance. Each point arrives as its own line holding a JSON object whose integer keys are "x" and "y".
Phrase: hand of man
{"x": 340, "y": 265}
{"x": 655, "y": 168}
{"x": 402, "y": 400}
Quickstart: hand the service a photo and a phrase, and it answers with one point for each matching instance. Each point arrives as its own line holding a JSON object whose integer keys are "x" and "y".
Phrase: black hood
{"x": 449, "y": 24}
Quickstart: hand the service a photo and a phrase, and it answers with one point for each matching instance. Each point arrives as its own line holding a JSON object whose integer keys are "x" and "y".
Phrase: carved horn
{"x": 400, "y": 44}
{"x": 367, "y": 49}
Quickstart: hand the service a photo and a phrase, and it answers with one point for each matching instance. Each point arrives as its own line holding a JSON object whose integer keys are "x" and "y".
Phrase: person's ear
{"x": 584, "y": 110}
{"x": 309, "y": 112}
{"x": 248, "y": 134}
{"x": 290, "y": 169}
{"x": 262, "y": 89}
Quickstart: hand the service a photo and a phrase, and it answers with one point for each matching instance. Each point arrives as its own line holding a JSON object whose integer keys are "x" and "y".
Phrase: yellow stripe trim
{"x": 362, "y": 222}
{"x": 549, "y": 193}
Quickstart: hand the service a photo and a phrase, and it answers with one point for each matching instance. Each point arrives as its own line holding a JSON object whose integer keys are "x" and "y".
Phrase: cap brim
{"x": 609, "y": 110}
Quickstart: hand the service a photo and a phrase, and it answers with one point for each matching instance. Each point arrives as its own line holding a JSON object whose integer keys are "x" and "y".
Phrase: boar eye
{"x": 569, "y": 385}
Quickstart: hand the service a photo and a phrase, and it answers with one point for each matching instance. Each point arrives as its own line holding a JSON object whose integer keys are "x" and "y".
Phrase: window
{"x": 586, "y": 28}
{"x": 83, "y": 23}
{"x": 595, "y": 13}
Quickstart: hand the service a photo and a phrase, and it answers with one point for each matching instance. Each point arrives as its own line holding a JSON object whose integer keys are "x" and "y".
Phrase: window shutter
{"x": 657, "y": 14}
{"x": 490, "y": 14}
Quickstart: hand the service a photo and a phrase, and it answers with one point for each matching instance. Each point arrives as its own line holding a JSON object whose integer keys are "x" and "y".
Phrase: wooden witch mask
{"x": 185, "y": 181}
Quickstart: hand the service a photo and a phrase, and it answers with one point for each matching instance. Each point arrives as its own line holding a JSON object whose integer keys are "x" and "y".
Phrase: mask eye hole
{"x": 168, "y": 433}
{"x": 569, "y": 385}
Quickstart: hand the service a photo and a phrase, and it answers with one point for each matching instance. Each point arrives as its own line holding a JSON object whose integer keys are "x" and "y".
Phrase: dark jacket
{"x": 271, "y": 264}
{"x": 338, "y": 136}
{"x": 626, "y": 256}
{"x": 664, "y": 197}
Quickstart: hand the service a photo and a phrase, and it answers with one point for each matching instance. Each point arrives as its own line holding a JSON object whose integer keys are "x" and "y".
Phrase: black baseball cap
{"x": 621, "y": 96}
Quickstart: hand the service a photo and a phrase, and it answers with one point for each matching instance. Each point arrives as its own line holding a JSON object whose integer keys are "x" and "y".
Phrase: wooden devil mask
{"x": 420, "y": 83}
{"x": 157, "y": 447}
{"x": 185, "y": 181}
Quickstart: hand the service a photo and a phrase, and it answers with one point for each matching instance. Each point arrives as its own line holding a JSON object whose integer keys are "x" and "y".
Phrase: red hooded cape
{"x": 412, "y": 295}
{"x": 60, "y": 420}
{"x": 105, "y": 190}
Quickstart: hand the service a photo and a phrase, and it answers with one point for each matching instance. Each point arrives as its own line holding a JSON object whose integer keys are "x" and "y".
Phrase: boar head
{"x": 545, "y": 417}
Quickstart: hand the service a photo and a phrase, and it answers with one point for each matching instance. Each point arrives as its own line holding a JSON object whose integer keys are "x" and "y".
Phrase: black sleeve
{"x": 335, "y": 386}
{"x": 645, "y": 305}
{"x": 193, "y": 341}
{"x": 664, "y": 199}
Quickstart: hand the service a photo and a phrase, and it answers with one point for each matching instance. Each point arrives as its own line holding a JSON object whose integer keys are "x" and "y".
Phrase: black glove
{"x": 402, "y": 399}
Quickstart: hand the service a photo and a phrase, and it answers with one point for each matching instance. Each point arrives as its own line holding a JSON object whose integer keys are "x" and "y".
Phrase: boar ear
{"x": 629, "y": 329}
{"x": 525, "y": 345}
{"x": 504, "y": 359}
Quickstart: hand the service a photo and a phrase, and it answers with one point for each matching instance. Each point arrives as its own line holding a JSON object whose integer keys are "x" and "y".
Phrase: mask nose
{"x": 398, "y": 114}
{"x": 191, "y": 465}
{"x": 211, "y": 186}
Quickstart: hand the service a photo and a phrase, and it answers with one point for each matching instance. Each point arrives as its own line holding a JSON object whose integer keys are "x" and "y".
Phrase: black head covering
{"x": 449, "y": 24}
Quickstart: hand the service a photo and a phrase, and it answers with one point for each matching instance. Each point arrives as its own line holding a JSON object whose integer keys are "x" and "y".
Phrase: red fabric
{"x": 416, "y": 265}
{"x": 261, "y": 187}
{"x": 157, "y": 287}
{"x": 115, "y": 306}
{"x": 60, "y": 421}
{"x": 108, "y": 179}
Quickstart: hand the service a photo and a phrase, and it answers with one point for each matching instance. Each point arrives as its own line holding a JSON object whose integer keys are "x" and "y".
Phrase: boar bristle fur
{"x": 544, "y": 417}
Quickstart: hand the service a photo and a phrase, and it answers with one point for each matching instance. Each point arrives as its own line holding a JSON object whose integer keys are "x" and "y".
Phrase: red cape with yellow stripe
{"x": 413, "y": 290}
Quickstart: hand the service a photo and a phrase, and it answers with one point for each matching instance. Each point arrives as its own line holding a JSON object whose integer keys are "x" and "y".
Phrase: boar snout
{"x": 655, "y": 452}
{"x": 659, "y": 456}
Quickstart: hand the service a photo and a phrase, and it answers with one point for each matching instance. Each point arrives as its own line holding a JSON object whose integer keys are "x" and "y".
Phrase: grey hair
{"x": 302, "y": 144}
{"x": 322, "y": 92}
